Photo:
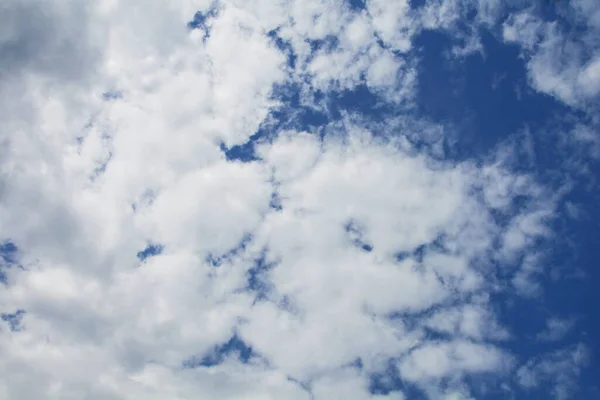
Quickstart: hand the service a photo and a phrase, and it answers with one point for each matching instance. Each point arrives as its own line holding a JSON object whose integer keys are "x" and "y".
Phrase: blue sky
{"x": 301, "y": 199}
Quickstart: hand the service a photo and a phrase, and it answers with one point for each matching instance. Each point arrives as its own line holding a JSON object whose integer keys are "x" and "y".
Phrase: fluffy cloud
{"x": 330, "y": 257}
{"x": 559, "y": 62}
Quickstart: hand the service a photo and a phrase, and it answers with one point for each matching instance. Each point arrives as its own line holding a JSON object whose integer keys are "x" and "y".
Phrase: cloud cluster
{"x": 563, "y": 59}
{"x": 141, "y": 261}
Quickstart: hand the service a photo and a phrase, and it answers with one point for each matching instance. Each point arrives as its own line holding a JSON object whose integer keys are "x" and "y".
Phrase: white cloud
{"x": 373, "y": 242}
{"x": 394, "y": 22}
{"x": 382, "y": 71}
{"x": 451, "y": 359}
{"x": 471, "y": 321}
{"x": 558, "y": 63}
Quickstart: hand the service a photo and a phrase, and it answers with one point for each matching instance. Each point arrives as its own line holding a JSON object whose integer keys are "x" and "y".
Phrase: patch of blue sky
{"x": 357, "y": 236}
{"x": 243, "y": 152}
{"x": 217, "y": 259}
{"x": 8, "y": 252}
{"x": 13, "y": 320}
{"x": 388, "y": 380}
{"x": 150, "y": 251}
{"x": 201, "y": 19}
{"x": 484, "y": 98}
{"x": 234, "y": 347}
{"x": 285, "y": 47}
{"x": 8, "y": 258}
{"x": 258, "y": 282}
{"x": 357, "y": 5}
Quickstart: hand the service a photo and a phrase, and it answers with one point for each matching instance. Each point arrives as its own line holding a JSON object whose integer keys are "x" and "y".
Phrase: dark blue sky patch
{"x": 326, "y": 45}
{"x": 437, "y": 336}
{"x": 424, "y": 136}
{"x": 293, "y": 114}
{"x": 366, "y": 247}
{"x": 388, "y": 380}
{"x": 357, "y": 5}
{"x": 415, "y": 4}
{"x": 525, "y": 319}
{"x": 258, "y": 279}
{"x": 8, "y": 258}
{"x": 8, "y": 252}
{"x": 306, "y": 119}
{"x": 561, "y": 12}
{"x": 481, "y": 386}
{"x": 579, "y": 385}
{"x": 234, "y": 347}
{"x": 403, "y": 255}
{"x": 357, "y": 237}
{"x": 242, "y": 153}
{"x": 359, "y": 99}
{"x": 571, "y": 281}
{"x": 413, "y": 320}
{"x": 482, "y": 389}
{"x": 13, "y": 320}
{"x": 150, "y": 251}
{"x": 200, "y": 20}
{"x": 285, "y": 47}
{"x": 485, "y": 98}
{"x": 418, "y": 253}
{"x": 217, "y": 259}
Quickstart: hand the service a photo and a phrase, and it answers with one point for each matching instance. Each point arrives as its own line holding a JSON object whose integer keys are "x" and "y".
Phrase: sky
{"x": 299, "y": 199}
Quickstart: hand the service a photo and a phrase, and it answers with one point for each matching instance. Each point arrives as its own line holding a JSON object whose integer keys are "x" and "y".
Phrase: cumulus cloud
{"x": 136, "y": 247}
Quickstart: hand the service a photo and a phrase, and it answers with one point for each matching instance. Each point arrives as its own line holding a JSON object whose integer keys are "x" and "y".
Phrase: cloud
{"x": 556, "y": 329}
{"x": 135, "y": 249}
{"x": 472, "y": 321}
{"x": 559, "y": 370}
{"x": 436, "y": 361}
{"x": 57, "y": 42}
{"x": 560, "y": 63}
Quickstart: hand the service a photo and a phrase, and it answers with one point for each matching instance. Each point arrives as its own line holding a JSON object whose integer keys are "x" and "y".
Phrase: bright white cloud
{"x": 441, "y": 360}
